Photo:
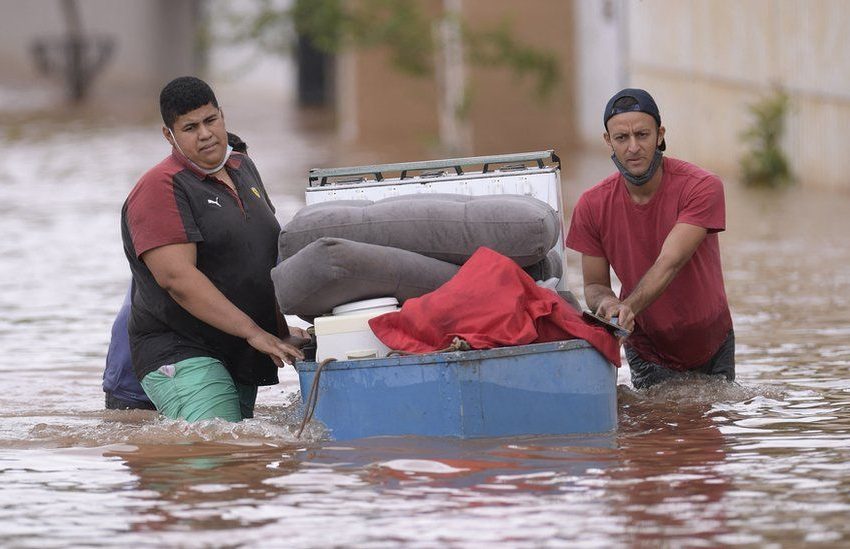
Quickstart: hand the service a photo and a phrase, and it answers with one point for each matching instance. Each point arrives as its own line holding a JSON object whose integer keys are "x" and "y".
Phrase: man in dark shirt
{"x": 200, "y": 235}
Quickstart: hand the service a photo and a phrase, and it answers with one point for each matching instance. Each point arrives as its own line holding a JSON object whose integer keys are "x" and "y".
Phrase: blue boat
{"x": 562, "y": 387}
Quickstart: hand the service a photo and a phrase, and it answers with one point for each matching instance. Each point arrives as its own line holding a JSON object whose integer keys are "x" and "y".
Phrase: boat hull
{"x": 546, "y": 388}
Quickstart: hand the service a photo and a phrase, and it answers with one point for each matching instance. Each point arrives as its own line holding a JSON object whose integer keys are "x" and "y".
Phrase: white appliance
{"x": 536, "y": 174}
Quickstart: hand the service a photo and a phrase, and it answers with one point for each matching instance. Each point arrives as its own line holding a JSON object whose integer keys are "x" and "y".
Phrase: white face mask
{"x": 202, "y": 170}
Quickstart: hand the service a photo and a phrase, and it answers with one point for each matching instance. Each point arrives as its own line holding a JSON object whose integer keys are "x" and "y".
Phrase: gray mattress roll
{"x": 550, "y": 266}
{"x": 447, "y": 227}
{"x": 332, "y": 271}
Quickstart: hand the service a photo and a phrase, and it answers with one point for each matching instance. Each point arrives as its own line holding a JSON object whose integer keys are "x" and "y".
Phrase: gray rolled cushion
{"x": 448, "y": 227}
{"x": 550, "y": 266}
{"x": 333, "y": 271}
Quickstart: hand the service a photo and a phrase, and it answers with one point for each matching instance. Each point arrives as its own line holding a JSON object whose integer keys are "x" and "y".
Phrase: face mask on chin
{"x": 638, "y": 180}
{"x": 205, "y": 171}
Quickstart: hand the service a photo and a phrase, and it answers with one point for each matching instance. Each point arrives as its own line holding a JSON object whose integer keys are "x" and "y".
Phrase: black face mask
{"x": 639, "y": 180}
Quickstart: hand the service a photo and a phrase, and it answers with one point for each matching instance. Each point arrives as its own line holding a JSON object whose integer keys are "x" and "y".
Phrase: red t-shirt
{"x": 689, "y": 321}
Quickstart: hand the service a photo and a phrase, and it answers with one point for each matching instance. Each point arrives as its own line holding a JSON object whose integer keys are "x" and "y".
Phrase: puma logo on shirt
{"x": 209, "y": 201}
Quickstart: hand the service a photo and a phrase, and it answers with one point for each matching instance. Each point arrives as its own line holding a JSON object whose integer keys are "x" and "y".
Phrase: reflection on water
{"x": 761, "y": 462}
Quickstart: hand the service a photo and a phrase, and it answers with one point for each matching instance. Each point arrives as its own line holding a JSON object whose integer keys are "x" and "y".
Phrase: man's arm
{"x": 678, "y": 247}
{"x": 174, "y": 268}
{"x": 596, "y": 272}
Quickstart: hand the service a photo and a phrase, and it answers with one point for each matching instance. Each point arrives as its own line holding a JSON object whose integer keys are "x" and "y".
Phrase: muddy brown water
{"x": 761, "y": 463}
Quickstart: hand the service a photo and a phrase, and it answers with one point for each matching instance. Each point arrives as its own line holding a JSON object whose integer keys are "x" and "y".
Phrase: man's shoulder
{"x": 603, "y": 188}
{"x": 157, "y": 180}
{"x": 686, "y": 170}
{"x": 163, "y": 172}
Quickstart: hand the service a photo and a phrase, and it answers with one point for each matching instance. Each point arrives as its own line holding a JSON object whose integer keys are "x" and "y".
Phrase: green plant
{"x": 765, "y": 164}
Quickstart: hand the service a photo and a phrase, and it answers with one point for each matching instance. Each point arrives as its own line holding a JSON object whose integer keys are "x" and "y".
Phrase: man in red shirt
{"x": 655, "y": 222}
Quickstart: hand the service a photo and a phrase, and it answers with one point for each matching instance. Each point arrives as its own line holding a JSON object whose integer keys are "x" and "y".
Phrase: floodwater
{"x": 760, "y": 463}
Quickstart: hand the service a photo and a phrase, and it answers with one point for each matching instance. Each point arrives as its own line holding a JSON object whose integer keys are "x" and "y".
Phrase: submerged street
{"x": 763, "y": 462}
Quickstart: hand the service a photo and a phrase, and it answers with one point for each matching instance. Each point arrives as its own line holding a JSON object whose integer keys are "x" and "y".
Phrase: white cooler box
{"x": 345, "y": 335}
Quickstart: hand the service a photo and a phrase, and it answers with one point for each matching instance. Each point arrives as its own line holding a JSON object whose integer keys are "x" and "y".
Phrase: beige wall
{"x": 388, "y": 111}
{"x": 506, "y": 115}
{"x": 396, "y": 116}
{"x": 706, "y": 60}
{"x": 390, "y": 114}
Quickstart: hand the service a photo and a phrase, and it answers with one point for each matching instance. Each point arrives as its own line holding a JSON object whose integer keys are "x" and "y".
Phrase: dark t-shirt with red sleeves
{"x": 236, "y": 236}
{"x": 689, "y": 321}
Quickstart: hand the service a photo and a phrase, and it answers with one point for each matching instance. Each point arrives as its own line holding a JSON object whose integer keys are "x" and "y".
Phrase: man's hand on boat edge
{"x": 280, "y": 352}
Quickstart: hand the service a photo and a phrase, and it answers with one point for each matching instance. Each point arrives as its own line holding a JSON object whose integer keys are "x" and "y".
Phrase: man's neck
{"x": 644, "y": 193}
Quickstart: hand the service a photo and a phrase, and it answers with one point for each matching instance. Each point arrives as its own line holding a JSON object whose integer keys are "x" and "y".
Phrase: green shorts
{"x": 199, "y": 388}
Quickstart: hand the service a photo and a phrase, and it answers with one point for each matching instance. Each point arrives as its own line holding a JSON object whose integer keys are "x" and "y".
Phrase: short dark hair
{"x": 182, "y": 95}
{"x": 625, "y": 103}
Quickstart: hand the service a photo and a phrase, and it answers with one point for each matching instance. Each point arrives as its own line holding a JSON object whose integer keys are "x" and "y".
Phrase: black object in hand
{"x": 610, "y": 325}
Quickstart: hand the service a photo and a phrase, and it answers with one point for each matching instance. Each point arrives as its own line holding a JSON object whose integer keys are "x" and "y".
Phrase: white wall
{"x": 600, "y": 37}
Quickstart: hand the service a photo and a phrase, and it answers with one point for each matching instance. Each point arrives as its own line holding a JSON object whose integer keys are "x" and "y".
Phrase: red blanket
{"x": 490, "y": 302}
